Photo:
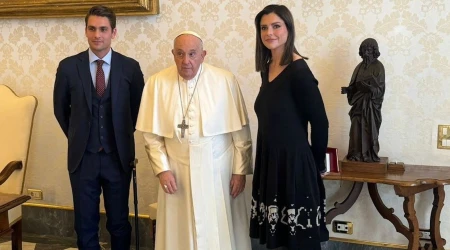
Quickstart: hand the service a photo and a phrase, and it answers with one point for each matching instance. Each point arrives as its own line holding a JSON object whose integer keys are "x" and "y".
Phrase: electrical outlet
{"x": 343, "y": 227}
{"x": 443, "y": 137}
{"x": 35, "y": 194}
{"x": 424, "y": 234}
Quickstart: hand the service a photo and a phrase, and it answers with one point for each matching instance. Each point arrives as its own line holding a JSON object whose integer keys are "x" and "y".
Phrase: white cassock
{"x": 201, "y": 215}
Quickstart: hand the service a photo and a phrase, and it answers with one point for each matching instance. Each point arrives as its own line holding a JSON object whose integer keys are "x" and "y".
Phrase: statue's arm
{"x": 350, "y": 90}
{"x": 346, "y": 90}
{"x": 378, "y": 86}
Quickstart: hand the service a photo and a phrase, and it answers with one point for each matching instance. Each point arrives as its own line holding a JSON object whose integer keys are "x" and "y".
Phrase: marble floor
{"x": 45, "y": 242}
{"x": 34, "y": 242}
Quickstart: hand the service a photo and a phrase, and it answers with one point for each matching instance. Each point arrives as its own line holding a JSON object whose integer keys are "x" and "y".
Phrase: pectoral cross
{"x": 183, "y": 126}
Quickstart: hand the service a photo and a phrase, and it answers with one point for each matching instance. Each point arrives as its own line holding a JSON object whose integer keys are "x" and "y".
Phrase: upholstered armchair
{"x": 16, "y": 122}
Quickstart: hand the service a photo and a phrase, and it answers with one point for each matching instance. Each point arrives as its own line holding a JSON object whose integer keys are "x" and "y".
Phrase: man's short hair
{"x": 103, "y": 11}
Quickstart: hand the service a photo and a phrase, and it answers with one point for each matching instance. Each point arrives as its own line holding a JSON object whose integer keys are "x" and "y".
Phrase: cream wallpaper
{"x": 414, "y": 36}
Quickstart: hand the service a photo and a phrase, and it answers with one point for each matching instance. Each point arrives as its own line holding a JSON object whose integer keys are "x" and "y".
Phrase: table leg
{"x": 411, "y": 233}
{"x": 410, "y": 215}
{"x": 341, "y": 208}
{"x": 435, "y": 222}
{"x": 410, "y": 212}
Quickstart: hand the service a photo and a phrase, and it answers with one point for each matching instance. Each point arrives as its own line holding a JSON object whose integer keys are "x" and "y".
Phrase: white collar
{"x": 106, "y": 58}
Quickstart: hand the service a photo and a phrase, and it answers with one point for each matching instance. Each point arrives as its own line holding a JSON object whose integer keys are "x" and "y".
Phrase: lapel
{"x": 115, "y": 77}
{"x": 86, "y": 78}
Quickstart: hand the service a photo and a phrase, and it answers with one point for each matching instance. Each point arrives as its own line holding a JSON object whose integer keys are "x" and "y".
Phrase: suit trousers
{"x": 97, "y": 172}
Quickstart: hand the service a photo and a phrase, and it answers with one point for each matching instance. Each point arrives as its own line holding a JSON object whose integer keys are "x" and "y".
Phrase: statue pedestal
{"x": 365, "y": 167}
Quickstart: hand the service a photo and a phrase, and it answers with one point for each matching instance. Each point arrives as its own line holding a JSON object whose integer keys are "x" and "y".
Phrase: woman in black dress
{"x": 288, "y": 192}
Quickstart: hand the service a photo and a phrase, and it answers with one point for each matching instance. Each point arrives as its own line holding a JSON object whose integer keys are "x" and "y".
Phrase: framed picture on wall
{"x": 331, "y": 160}
{"x": 74, "y": 8}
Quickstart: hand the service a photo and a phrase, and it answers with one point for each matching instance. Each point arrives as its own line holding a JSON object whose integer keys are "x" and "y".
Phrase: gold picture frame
{"x": 73, "y": 8}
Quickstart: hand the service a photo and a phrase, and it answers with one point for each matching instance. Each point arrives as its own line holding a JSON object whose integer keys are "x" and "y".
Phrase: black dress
{"x": 288, "y": 192}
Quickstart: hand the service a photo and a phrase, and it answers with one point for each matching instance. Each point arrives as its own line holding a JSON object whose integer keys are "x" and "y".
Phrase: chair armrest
{"x": 9, "y": 169}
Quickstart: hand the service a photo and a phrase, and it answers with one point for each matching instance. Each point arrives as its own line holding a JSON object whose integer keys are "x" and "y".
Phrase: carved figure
{"x": 365, "y": 94}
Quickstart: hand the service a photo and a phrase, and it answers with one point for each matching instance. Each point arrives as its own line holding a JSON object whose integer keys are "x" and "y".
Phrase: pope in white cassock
{"x": 197, "y": 138}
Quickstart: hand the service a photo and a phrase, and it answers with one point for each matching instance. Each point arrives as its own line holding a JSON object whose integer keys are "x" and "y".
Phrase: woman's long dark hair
{"x": 263, "y": 54}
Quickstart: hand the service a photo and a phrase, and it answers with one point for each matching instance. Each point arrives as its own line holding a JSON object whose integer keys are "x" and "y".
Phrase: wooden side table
{"x": 415, "y": 179}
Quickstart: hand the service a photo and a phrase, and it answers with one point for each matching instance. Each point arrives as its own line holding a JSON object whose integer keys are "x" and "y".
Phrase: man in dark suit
{"x": 96, "y": 101}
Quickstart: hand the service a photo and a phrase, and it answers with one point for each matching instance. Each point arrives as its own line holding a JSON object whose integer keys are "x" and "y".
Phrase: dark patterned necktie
{"x": 100, "y": 79}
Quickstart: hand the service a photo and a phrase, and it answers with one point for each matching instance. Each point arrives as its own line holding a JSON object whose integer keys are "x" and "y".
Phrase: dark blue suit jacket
{"x": 72, "y": 103}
